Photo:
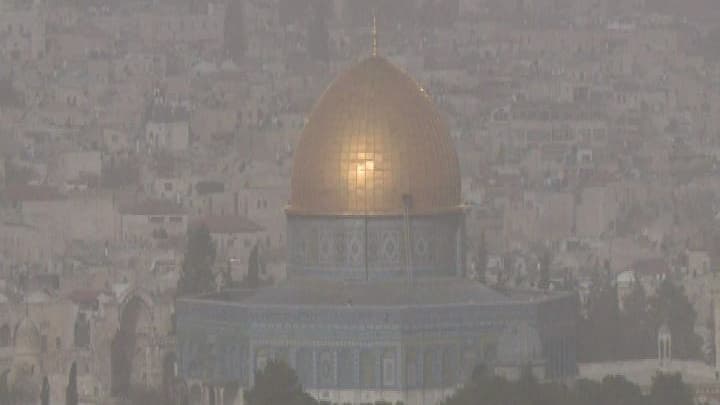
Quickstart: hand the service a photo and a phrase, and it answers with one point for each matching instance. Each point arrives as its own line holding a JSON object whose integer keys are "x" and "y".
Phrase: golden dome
{"x": 373, "y": 137}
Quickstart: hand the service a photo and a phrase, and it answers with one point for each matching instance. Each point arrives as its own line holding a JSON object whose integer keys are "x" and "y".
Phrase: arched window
{"x": 326, "y": 368}
{"x": 345, "y": 368}
{"x": 388, "y": 368}
{"x": 411, "y": 369}
{"x": 469, "y": 362}
{"x": 303, "y": 365}
{"x": 429, "y": 375}
{"x": 367, "y": 369}
{"x": 449, "y": 367}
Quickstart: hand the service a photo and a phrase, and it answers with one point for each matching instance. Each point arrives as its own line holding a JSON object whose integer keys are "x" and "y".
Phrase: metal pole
{"x": 365, "y": 245}
{"x": 407, "y": 203}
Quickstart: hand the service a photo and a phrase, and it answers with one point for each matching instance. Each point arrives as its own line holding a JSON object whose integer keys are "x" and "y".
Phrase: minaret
{"x": 716, "y": 327}
{"x": 374, "y": 35}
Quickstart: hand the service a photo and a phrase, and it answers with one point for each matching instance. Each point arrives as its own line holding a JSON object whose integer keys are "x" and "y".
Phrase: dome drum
{"x": 375, "y": 247}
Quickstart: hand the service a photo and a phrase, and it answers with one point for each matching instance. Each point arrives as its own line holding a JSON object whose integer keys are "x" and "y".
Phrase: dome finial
{"x": 374, "y": 34}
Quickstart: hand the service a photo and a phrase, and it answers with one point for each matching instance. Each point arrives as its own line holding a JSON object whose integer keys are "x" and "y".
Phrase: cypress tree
{"x": 481, "y": 269}
{"x": 45, "y": 393}
{"x": 71, "y": 392}
{"x": 197, "y": 276}
{"x": 253, "y": 274}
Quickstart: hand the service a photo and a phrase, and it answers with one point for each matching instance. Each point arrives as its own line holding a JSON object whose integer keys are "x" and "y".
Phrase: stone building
{"x": 168, "y": 128}
{"x": 24, "y": 37}
{"x": 145, "y": 220}
{"x": 376, "y": 305}
{"x": 234, "y": 237}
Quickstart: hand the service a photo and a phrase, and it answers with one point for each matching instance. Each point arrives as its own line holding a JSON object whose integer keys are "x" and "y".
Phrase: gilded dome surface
{"x": 373, "y": 137}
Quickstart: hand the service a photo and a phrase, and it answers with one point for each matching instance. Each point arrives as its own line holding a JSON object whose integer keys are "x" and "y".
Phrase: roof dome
{"x": 374, "y": 137}
{"x": 27, "y": 338}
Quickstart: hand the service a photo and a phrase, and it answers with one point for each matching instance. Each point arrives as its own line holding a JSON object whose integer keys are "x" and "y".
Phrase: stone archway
{"x": 133, "y": 347}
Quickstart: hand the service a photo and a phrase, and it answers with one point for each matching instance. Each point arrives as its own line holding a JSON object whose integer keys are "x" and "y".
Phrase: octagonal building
{"x": 376, "y": 305}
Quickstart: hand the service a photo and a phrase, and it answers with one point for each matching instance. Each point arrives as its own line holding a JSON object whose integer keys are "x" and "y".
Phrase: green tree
{"x": 528, "y": 388}
{"x": 669, "y": 389}
{"x": 45, "y": 393}
{"x": 483, "y": 388}
{"x": 616, "y": 390}
{"x": 481, "y": 258}
{"x": 670, "y": 304}
{"x": 5, "y": 394}
{"x": 599, "y": 331}
{"x": 710, "y": 352}
{"x": 252, "y": 280}
{"x": 638, "y": 334}
{"x": 587, "y": 392}
{"x": 197, "y": 275}
{"x": 276, "y": 384}
{"x": 71, "y": 392}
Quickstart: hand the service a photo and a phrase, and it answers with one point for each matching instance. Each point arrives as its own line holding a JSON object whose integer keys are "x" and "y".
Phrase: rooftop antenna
{"x": 374, "y": 34}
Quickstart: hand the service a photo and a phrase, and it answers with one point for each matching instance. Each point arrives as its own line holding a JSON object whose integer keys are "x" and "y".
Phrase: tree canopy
{"x": 45, "y": 393}
{"x": 276, "y": 384}
{"x": 483, "y": 388}
{"x": 608, "y": 333}
{"x": 638, "y": 331}
{"x": 669, "y": 389}
{"x": 481, "y": 258}
{"x": 253, "y": 274}
{"x": 71, "y": 392}
{"x": 600, "y": 330}
{"x": 672, "y": 305}
{"x": 4, "y": 389}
